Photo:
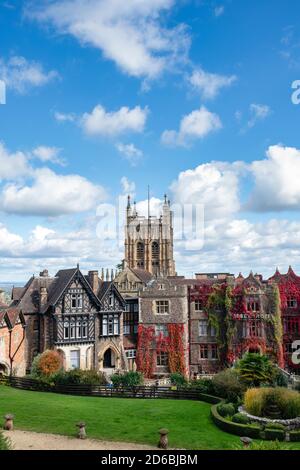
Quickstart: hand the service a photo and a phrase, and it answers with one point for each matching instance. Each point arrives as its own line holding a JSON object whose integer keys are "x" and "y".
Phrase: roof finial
{"x": 128, "y": 201}
{"x": 165, "y": 196}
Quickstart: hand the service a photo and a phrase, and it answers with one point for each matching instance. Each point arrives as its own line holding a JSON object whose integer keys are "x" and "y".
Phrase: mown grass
{"x": 118, "y": 419}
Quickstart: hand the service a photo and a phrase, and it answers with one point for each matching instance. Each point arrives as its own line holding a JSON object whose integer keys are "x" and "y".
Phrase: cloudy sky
{"x": 191, "y": 97}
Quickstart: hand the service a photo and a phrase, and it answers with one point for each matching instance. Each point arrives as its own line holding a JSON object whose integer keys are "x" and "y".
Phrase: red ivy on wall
{"x": 144, "y": 355}
{"x": 148, "y": 346}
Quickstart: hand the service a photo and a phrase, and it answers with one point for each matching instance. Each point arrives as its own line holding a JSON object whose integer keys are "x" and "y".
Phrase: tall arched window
{"x": 155, "y": 251}
{"x": 140, "y": 252}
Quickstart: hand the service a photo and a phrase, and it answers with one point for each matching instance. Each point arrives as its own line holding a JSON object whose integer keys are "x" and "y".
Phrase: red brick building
{"x": 12, "y": 341}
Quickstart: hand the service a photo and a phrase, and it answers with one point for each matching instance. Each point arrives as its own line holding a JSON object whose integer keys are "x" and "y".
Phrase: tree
{"x": 255, "y": 369}
{"x": 49, "y": 362}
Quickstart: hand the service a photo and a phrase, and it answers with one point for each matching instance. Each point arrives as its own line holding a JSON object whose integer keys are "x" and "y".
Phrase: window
{"x": 110, "y": 325}
{"x": 252, "y": 329}
{"x": 35, "y": 325}
{"x": 155, "y": 250}
{"x": 66, "y": 330}
{"x": 130, "y": 353}
{"x": 136, "y": 307}
{"x": 162, "y": 306}
{"x": 76, "y": 300}
{"x": 126, "y": 329}
{"x": 72, "y": 329}
{"x": 140, "y": 251}
{"x": 127, "y": 307}
{"x": 161, "y": 330}
{"x": 75, "y": 359}
{"x": 111, "y": 300}
{"x": 198, "y": 305}
{"x": 291, "y": 325}
{"x": 291, "y": 302}
{"x": 162, "y": 359}
{"x": 214, "y": 351}
{"x": 135, "y": 328}
{"x": 213, "y": 331}
{"x": 203, "y": 351}
{"x": 208, "y": 351}
{"x": 253, "y": 306}
{"x": 203, "y": 328}
{"x": 84, "y": 329}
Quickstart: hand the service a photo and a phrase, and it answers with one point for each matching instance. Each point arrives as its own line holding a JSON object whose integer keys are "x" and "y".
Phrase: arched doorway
{"x": 109, "y": 359}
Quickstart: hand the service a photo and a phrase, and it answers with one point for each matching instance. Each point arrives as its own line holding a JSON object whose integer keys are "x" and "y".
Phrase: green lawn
{"x": 118, "y": 419}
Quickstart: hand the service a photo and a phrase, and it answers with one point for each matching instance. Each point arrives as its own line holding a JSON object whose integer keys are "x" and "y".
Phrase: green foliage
{"x": 129, "y": 379}
{"x": 78, "y": 377}
{"x": 178, "y": 379}
{"x": 203, "y": 385}
{"x": 258, "y": 400}
{"x": 240, "y": 418}
{"x": 274, "y": 435}
{"x": 238, "y": 429}
{"x": 281, "y": 379}
{"x": 226, "y": 409}
{"x": 264, "y": 445}
{"x": 277, "y": 426}
{"x": 295, "y": 436}
{"x": 228, "y": 385}
{"x": 255, "y": 369}
{"x": 4, "y": 442}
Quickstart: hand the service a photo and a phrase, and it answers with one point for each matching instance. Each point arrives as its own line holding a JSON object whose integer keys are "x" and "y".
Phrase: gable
{"x": 112, "y": 299}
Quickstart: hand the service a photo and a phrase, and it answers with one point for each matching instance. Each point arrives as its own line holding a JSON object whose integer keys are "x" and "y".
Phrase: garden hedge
{"x": 234, "y": 428}
{"x": 295, "y": 436}
{"x": 274, "y": 434}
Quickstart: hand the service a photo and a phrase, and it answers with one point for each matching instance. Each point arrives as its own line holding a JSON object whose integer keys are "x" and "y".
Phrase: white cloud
{"x": 276, "y": 180}
{"x": 131, "y": 33}
{"x": 63, "y": 117}
{"x": 48, "y": 154}
{"x": 219, "y": 10}
{"x": 103, "y": 123}
{"x": 210, "y": 84}
{"x": 128, "y": 187}
{"x": 258, "y": 112}
{"x": 215, "y": 185}
{"x": 13, "y": 165}
{"x": 51, "y": 195}
{"x": 195, "y": 125}
{"x": 130, "y": 152}
{"x": 21, "y": 74}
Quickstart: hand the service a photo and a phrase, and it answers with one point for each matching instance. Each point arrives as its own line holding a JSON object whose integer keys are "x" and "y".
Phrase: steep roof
{"x": 143, "y": 275}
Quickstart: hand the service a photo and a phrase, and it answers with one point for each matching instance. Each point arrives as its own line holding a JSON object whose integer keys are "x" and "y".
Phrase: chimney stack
{"x": 94, "y": 281}
{"x": 43, "y": 296}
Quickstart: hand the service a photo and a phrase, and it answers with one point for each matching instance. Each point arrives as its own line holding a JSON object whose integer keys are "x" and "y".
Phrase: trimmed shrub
{"x": 277, "y": 426}
{"x": 237, "y": 429}
{"x": 226, "y": 409}
{"x": 281, "y": 380}
{"x": 274, "y": 434}
{"x": 240, "y": 418}
{"x": 294, "y": 436}
{"x": 4, "y": 442}
{"x": 258, "y": 400}
{"x": 178, "y": 379}
{"x": 228, "y": 385}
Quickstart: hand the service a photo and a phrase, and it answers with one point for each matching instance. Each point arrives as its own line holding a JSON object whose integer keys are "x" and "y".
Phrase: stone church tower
{"x": 149, "y": 240}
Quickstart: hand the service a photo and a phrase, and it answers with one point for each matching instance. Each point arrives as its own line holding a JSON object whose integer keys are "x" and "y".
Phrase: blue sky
{"x": 191, "y": 97}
